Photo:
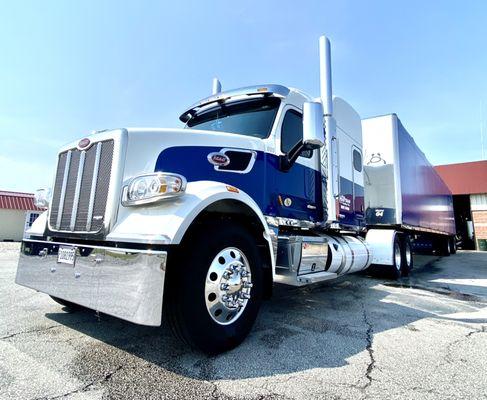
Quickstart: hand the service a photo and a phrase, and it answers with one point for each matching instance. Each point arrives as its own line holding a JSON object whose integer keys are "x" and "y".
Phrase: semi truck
{"x": 264, "y": 184}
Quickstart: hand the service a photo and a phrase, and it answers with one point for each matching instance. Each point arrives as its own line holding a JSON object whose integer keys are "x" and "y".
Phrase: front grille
{"x": 81, "y": 188}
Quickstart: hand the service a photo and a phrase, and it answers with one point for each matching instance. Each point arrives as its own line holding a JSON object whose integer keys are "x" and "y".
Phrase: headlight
{"x": 153, "y": 187}
{"x": 42, "y": 197}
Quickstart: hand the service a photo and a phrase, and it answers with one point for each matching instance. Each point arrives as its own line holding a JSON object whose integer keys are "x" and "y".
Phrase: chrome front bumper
{"x": 125, "y": 283}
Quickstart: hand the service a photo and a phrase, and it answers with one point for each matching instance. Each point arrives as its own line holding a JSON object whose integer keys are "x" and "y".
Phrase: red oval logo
{"x": 84, "y": 143}
{"x": 218, "y": 159}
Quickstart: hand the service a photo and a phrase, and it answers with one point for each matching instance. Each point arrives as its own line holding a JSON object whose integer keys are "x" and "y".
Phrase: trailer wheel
{"x": 407, "y": 256}
{"x": 397, "y": 258}
{"x": 453, "y": 244}
{"x": 445, "y": 246}
{"x": 214, "y": 288}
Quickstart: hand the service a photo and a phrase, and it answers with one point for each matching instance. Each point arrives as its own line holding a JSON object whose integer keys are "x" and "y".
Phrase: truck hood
{"x": 145, "y": 145}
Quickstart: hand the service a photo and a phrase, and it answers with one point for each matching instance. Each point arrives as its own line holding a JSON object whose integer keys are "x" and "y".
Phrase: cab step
{"x": 316, "y": 277}
{"x": 302, "y": 260}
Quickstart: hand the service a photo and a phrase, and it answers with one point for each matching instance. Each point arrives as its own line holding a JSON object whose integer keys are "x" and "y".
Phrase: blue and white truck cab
{"x": 263, "y": 184}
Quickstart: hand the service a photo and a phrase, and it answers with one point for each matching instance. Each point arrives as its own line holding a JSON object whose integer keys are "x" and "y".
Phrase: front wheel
{"x": 214, "y": 288}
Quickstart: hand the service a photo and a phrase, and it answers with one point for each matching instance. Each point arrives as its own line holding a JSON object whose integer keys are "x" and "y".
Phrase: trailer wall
{"x": 401, "y": 186}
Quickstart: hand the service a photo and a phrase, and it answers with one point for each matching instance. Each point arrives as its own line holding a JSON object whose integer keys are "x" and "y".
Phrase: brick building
{"x": 17, "y": 211}
{"x": 468, "y": 184}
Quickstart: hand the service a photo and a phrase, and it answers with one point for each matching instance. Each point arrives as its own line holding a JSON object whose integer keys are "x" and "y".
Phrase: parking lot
{"x": 358, "y": 337}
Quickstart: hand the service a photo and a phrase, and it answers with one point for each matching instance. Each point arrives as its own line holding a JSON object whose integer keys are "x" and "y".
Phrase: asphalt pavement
{"x": 423, "y": 337}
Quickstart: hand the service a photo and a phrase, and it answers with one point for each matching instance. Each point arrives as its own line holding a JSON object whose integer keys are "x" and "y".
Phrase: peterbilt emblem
{"x": 218, "y": 159}
{"x": 84, "y": 143}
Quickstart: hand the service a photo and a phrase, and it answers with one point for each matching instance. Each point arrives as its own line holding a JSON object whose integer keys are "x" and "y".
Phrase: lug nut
{"x": 224, "y": 286}
{"x": 227, "y": 274}
{"x": 244, "y": 295}
{"x": 243, "y": 273}
{"x": 247, "y": 285}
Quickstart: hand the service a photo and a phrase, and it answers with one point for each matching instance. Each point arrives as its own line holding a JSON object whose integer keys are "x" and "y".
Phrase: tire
{"x": 70, "y": 306}
{"x": 194, "y": 301}
{"x": 453, "y": 244}
{"x": 441, "y": 245}
{"x": 445, "y": 249}
{"x": 396, "y": 268}
{"x": 407, "y": 256}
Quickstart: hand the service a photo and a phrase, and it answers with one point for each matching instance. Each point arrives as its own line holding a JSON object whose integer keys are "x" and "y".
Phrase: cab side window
{"x": 292, "y": 132}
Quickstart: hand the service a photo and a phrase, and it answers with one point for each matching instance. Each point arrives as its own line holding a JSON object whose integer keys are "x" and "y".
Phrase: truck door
{"x": 298, "y": 190}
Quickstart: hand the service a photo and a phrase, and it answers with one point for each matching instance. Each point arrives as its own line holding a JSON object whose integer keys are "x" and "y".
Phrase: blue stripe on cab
{"x": 264, "y": 183}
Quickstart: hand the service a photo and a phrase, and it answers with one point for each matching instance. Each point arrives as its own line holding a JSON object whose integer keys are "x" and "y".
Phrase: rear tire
{"x": 204, "y": 300}
{"x": 397, "y": 258}
{"x": 453, "y": 244}
{"x": 445, "y": 246}
{"x": 407, "y": 256}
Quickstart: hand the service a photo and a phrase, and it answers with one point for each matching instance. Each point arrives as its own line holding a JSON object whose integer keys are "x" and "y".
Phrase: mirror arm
{"x": 287, "y": 160}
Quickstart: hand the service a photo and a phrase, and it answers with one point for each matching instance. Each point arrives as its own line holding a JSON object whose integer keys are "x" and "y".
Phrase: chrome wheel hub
{"x": 228, "y": 285}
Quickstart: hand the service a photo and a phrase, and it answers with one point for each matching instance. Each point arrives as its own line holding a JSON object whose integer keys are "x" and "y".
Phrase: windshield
{"x": 250, "y": 117}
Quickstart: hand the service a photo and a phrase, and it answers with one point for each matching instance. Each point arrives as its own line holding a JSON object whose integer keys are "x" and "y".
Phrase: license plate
{"x": 66, "y": 255}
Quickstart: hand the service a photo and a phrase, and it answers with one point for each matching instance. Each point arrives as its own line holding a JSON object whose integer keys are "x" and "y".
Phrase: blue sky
{"x": 69, "y": 67}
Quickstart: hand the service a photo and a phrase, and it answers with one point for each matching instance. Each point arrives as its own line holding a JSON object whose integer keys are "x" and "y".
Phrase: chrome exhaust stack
{"x": 217, "y": 86}
{"x": 329, "y": 157}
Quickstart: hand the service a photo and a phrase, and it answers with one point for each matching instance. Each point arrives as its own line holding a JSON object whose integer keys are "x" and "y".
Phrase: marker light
{"x": 152, "y": 188}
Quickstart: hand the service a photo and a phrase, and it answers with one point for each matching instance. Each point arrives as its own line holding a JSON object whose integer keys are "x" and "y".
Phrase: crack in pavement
{"x": 11, "y": 335}
{"x": 448, "y": 357}
{"x": 85, "y": 387}
{"x": 370, "y": 350}
{"x": 29, "y": 331}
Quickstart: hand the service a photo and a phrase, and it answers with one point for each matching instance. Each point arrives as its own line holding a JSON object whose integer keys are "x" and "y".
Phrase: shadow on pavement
{"x": 297, "y": 330}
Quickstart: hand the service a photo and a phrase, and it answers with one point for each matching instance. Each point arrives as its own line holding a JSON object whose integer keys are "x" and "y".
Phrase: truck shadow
{"x": 298, "y": 329}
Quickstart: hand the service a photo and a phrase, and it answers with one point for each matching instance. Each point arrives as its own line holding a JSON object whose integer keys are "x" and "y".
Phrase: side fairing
{"x": 350, "y": 198}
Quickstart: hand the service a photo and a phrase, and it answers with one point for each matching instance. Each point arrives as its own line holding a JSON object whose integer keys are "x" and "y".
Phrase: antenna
{"x": 325, "y": 76}
{"x": 217, "y": 86}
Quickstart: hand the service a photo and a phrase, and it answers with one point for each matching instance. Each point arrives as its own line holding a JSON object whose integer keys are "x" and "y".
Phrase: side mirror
{"x": 313, "y": 134}
{"x": 313, "y": 130}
